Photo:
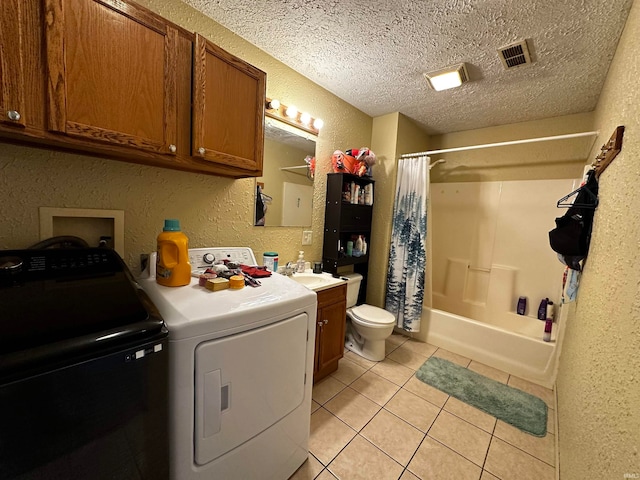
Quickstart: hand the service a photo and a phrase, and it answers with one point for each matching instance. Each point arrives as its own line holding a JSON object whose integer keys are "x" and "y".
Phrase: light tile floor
{"x": 375, "y": 420}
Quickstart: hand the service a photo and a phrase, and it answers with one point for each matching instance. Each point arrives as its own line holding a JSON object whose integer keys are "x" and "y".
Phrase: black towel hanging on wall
{"x": 571, "y": 237}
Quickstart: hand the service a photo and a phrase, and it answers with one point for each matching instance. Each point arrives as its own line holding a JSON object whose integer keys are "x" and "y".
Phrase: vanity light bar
{"x": 292, "y": 116}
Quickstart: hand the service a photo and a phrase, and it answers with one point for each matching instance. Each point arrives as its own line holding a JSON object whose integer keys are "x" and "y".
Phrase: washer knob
{"x": 208, "y": 258}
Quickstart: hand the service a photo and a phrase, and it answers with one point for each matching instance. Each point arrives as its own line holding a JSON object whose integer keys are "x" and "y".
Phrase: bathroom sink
{"x": 316, "y": 281}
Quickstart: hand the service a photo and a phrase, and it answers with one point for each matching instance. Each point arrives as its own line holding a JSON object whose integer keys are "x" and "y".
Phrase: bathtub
{"x": 513, "y": 345}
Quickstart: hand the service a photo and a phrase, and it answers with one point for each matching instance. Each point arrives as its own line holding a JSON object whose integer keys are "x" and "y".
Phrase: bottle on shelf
{"x": 542, "y": 309}
{"x": 346, "y": 193}
{"x": 548, "y": 324}
{"x": 368, "y": 194}
{"x": 522, "y": 306}
{"x": 355, "y": 198}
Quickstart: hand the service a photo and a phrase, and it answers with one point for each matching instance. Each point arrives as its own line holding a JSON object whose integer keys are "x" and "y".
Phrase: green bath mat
{"x": 513, "y": 406}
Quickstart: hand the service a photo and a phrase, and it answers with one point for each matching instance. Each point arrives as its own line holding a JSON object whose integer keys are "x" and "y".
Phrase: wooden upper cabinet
{"x": 228, "y": 108}
{"x": 111, "y": 74}
{"x": 12, "y": 52}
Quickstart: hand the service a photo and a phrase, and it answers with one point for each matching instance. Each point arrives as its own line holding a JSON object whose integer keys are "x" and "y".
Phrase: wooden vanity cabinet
{"x": 330, "y": 330}
{"x": 228, "y": 108}
{"x": 110, "y": 78}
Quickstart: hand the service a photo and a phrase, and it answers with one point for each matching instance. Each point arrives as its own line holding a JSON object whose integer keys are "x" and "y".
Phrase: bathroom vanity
{"x": 330, "y": 320}
{"x": 330, "y": 330}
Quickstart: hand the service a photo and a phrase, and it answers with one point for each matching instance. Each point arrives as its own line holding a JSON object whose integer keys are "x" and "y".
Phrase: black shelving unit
{"x": 344, "y": 221}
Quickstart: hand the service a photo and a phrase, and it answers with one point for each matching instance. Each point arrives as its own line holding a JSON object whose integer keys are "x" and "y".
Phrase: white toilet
{"x": 367, "y": 326}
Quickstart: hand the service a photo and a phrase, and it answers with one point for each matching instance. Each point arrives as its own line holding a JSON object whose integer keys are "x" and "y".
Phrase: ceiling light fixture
{"x": 449, "y": 77}
{"x": 290, "y": 115}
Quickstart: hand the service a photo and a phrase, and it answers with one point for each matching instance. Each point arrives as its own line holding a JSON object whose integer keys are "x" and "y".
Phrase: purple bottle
{"x": 522, "y": 306}
{"x": 542, "y": 309}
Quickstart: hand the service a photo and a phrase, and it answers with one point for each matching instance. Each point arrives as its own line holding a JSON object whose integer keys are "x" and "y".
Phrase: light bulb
{"x": 318, "y": 123}
{"x": 291, "y": 112}
{"x": 274, "y": 104}
{"x": 305, "y": 118}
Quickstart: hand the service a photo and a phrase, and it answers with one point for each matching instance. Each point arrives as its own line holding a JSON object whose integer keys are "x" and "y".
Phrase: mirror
{"x": 284, "y": 194}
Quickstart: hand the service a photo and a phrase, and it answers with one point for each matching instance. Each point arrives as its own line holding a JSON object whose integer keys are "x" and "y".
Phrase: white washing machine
{"x": 240, "y": 374}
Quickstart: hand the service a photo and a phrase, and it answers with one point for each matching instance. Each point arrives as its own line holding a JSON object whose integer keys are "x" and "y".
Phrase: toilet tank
{"x": 353, "y": 288}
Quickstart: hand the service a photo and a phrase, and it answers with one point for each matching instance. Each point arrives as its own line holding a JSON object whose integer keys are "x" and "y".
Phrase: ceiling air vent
{"x": 515, "y": 54}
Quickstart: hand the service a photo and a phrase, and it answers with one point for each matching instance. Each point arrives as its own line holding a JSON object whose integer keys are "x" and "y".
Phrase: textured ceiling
{"x": 373, "y": 53}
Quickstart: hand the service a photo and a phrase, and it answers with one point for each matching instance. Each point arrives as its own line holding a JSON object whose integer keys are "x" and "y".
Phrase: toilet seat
{"x": 372, "y": 316}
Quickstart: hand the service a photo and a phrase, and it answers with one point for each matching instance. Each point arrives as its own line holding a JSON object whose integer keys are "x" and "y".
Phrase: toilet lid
{"x": 371, "y": 314}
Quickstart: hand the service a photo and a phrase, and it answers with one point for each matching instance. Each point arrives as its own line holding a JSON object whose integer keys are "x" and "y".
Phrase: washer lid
{"x": 372, "y": 314}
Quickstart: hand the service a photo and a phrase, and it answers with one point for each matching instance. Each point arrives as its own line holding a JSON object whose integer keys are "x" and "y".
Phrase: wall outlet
{"x": 307, "y": 237}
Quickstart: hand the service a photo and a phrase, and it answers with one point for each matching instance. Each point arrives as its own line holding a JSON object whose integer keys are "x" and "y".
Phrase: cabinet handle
{"x": 172, "y": 148}
{"x": 201, "y": 150}
{"x": 326, "y": 321}
{"x": 13, "y": 115}
{"x": 320, "y": 324}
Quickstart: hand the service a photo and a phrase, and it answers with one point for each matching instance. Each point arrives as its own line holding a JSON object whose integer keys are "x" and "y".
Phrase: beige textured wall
{"x": 212, "y": 210}
{"x": 599, "y": 379}
{"x": 532, "y": 161}
{"x": 392, "y": 135}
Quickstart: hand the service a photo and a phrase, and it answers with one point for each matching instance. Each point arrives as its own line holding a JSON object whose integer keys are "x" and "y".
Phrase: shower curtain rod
{"x": 501, "y": 144}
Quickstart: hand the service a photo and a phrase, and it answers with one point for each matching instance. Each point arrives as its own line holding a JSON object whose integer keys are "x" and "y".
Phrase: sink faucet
{"x": 289, "y": 269}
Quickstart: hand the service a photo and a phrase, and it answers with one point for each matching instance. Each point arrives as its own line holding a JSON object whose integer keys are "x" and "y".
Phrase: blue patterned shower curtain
{"x": 408, "y": 252}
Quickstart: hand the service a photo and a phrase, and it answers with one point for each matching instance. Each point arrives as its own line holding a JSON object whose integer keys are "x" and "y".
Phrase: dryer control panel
{"x": 205, "y": 257}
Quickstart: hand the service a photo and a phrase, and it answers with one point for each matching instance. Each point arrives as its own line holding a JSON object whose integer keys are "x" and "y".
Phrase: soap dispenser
{"x": 300, "y": 263}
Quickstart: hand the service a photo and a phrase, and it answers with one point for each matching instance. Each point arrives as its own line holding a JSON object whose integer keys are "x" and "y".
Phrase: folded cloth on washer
{"x": 256, "y": 272}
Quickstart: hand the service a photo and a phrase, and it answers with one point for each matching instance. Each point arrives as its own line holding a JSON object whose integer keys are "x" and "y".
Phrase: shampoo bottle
{"x": 521, "y": 308}
{"x": 542, "y": 309}
{"x": 550, "y": 311}
{"x": 300, "y": 263}
{"x": 547, "y": 330}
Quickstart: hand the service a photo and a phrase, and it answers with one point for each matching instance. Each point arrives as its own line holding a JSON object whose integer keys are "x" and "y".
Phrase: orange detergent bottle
{"x": 172, "y": 264}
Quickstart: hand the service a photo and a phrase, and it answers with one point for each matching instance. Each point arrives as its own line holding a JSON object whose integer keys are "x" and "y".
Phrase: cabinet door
{"x": 12, "y": 63}
{"x": 332, "y": 342}
{"x": 111, "y": 74}
{"x": 228, "y": 108}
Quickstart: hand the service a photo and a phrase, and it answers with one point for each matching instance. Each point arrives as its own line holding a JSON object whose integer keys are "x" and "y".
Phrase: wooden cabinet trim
{"x": 199, "y": 79}
{"x": 12, "y": 66}
{"x": 137, "y": 13}
{"x": 56, "y": 91}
